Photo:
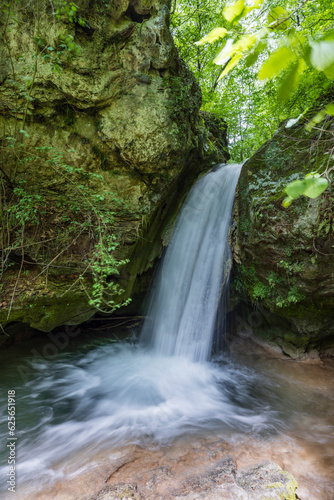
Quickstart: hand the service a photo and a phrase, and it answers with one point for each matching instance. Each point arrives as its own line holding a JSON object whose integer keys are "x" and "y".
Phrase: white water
{"x": 118, "y": 394}
{"x": 185, "y": 299}
{"x": 104, "y": 397}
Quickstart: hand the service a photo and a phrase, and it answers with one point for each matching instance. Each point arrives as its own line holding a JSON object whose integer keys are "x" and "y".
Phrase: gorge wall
{"x": 284, "y": 256}
{"x": 101, "y": 139}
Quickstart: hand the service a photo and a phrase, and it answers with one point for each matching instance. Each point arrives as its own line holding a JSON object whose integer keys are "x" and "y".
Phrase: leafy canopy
{"x": 274, "y": 59}
{"x": 258, "y": 29}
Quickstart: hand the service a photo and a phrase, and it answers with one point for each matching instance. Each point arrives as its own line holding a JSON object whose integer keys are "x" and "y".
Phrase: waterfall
{"x": 193, "y": 276}
{"x": 107, "y": 395}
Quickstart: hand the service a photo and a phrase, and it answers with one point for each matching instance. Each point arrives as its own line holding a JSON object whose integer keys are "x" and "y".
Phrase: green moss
{"x": 46, "y": 311}
{"x": 286, "y": 253}
{"x": 285, "y": 491}
{"x": 104, "y": 160}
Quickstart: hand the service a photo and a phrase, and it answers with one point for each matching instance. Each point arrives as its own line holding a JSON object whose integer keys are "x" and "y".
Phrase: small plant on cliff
{"x": 24, "y": 215}
{"x": 24, "y": 208}
{"x": 105, "y": 268}
{"x": 280, "y": 291}
{"x": 64, "y": 49}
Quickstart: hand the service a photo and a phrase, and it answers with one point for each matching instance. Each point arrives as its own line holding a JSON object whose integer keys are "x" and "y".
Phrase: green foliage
{"x": 292, "y": 43}
{"x": 312, "y": 186}
{"x": 252, "y": 38}
{"x": 65, "y": 49}
{"x": 26, "y": 211}
{"x": 103, "y": 266}
{"x": 213, "y": 36}
{"x": 68, "y": 10}
{"x": 277, "y": 290}
{"x": 278, "y": 18}
{"x": 277, "y": 62}
{"x": 325, "y": 222}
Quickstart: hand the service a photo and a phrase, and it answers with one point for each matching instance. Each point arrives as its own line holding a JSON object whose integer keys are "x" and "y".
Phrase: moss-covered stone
{"x": 268, "y": 481}
{"x": 123, "y": 115}
{"x": 285, "y": 256}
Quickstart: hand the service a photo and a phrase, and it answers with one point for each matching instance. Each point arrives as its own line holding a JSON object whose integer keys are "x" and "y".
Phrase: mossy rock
{"x": 124, "y": 116}
{"x": 268, "y": 481}
{"x": 285, "y": 256}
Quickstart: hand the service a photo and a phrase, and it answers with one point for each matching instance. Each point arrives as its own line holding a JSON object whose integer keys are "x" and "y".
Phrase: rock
{"x": 284, "y": 256}
{"x": 217, "y": 129}
{"x": 263, "y": 482}
{"x": 120, "y": 120}
{"x": 124, "y": 491}
{"x": 268, "y": 481}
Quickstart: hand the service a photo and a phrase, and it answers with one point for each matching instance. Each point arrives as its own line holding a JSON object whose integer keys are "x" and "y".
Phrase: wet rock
{"x": 124, "y": 491}
{"x": 268, "y": 481}
{"x": 263, "y": 482}
{"x": 123, "y": 115}
{"x": 284, "y": 255}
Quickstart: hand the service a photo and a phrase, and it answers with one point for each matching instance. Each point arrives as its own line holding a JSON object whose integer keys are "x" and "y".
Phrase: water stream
{"x": 188, "y": 289}
{"x": 97, "y": 397}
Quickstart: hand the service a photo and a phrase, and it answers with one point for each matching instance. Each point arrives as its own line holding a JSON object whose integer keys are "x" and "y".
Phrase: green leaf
{"x": 315, "y": 120}
{"x": 253, "y": 57}
{"x": 233, "y": 62}
{"x": 312, "y": 186}
{"x": 278, "y": 61}
{"x": 315, "y": 186}
{"x": 322, "y": 56}
{"x": 329, "y": 72}
{"x": 24, "y": 132}
{"x": 287, "y": 201}
{"x": 241, "y": 47}
{"x": 275, "y": 18}
{"x": 330, "y": 109}
{"x": 319, "y": 117}
{"x": 291, "y": 80}
{"x": 225, "y": 53}
{"x": 214, "y": 35}
{"x": 256, "y": 5}
{"x": 295, "y": 189}
{"x": 234, "y": 10}
{"x": 312, "y": 174}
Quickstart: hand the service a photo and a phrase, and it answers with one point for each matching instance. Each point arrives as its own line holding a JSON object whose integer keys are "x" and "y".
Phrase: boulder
{"x": 284, "y": 256}
{"x": 100, "y": 141}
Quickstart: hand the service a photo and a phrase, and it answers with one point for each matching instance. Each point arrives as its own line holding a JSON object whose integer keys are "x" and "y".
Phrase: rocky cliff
{"x": 285, "y": 255}
{"x": 100, "y": 141}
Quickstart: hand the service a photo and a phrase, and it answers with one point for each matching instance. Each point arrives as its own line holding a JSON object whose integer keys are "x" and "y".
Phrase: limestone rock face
{"x": 285, "y": 255}
{"x": 99, "y": 132}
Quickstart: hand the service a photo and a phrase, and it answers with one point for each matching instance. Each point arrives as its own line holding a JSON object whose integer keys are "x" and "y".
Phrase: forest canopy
{"x": 258, "y": 62}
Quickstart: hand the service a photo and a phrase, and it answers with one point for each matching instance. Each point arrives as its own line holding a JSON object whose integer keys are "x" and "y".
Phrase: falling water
{"x": 184, "y": 303}
{"x": 93, "y": 398}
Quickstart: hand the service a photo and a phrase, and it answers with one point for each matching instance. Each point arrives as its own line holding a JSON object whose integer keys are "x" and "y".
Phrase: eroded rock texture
{"x": 111, "y": 142}
{"x": 285, "y": 256}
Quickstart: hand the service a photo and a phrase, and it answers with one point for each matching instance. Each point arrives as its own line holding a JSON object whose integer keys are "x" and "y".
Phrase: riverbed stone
{"x": 266, "y": 481}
